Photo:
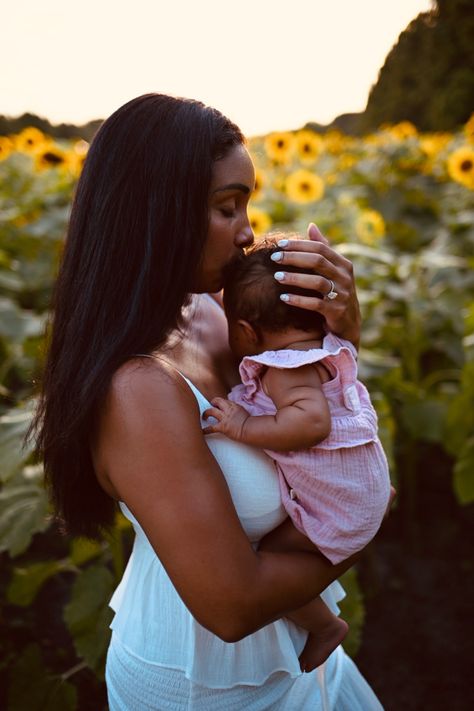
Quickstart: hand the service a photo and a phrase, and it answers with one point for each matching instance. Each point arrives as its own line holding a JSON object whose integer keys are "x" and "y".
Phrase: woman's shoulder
{"x": 149, "y": 388}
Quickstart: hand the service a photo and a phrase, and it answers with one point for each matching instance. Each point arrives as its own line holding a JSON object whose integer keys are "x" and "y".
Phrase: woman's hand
{"x": 328, "y": 272}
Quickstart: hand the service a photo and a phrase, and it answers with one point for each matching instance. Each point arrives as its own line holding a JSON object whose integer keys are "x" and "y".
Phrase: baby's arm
{"x": 302, "y": 418}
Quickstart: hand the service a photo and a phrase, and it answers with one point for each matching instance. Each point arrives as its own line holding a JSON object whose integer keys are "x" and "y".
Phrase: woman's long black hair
{"x": 136, "y": 233}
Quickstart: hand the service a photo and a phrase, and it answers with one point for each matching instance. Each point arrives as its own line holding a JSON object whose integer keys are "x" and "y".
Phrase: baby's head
{"x": 258, "y": 319}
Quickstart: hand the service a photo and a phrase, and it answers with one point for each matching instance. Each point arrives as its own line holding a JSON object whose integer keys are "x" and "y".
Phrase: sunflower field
{"x": 399, "y": 204}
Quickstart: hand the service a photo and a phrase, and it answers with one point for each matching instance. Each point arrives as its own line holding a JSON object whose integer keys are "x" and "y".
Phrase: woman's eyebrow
{"x": 234, "y": 186}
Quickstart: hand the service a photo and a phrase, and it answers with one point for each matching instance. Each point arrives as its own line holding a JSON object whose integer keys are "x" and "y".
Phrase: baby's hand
{"x": 230, "y": 418}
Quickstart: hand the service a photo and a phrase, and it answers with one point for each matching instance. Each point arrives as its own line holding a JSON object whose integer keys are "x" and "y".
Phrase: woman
{"x": 160, "y": 210}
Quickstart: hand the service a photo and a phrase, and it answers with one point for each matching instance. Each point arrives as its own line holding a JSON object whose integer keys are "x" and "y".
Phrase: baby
{"x": 301, "y": 402}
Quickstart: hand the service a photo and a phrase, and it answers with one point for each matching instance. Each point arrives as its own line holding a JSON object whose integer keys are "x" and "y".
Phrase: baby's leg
{"x": 326, "y": 632}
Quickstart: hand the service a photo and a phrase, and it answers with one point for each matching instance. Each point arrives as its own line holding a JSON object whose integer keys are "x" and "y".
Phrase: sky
{"x": 269, "y": 65}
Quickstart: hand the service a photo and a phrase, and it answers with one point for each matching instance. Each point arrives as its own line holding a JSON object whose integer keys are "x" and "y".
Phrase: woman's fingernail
{"x": 279, "y": 276}
{"x": 276, "y": 256}
{"x": 282, "y": 243}
{"x": 284, "y": 297}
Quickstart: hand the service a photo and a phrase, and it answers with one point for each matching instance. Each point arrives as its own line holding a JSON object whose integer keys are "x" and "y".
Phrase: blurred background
{"x": 360, "y": 117}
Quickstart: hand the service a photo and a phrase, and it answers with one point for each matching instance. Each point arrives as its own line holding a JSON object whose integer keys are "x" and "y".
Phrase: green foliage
{"x": 428, "y": 77}
{"x": 23, "y": 513}
{"x": 88, "y": 615}
{"x": 353, "y": 611}
{"x": 27, "y": 580}
{"x": 33, "y": 689}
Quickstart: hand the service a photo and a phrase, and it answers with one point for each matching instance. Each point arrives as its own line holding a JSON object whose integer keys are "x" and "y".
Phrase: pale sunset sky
{"x": 269, "y": 65}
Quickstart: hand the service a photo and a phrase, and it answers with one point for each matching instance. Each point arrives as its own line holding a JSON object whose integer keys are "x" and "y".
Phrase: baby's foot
{"x": 320, "y": 644}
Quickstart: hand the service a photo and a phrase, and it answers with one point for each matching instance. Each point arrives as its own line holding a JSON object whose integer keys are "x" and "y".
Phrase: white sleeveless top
{"x": 153, "y": 623}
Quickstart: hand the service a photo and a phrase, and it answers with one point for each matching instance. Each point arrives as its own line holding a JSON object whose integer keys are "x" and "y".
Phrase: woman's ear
{"x": 248, "y": 331}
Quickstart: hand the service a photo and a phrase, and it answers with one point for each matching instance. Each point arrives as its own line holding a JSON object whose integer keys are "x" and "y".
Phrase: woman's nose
{"x": 245, "y": 237}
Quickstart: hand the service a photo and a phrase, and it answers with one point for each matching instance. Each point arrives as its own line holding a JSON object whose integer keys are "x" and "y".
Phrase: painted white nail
{"x": 279, "y": 276}
{"x": 282, "y": 243}
{"x": 284, "y": 297}
{"x": 277, "y": 256}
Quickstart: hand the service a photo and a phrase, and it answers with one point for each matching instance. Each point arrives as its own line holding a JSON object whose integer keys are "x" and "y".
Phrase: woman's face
{"x": 233, "y": 179}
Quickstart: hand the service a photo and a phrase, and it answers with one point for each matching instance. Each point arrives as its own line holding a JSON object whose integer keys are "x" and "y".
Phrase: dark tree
{"x": 428, "y": 76}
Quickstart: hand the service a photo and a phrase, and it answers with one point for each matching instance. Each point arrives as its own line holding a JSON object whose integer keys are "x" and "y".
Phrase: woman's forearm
{"x": 283, "y": 582}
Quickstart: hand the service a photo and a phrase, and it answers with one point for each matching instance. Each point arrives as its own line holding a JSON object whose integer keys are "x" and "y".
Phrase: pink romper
{"x": 337, "y": 491}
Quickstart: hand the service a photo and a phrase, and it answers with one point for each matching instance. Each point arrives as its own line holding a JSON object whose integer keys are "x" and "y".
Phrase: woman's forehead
{"x": 235, "y": 169}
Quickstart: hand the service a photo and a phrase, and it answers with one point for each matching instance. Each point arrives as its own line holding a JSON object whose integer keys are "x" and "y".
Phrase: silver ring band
{"x": 332, "y": 294}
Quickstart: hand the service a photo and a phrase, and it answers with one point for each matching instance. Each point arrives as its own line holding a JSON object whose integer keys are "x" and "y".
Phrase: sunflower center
{"x": 280, "y": 143}
{"x": 52, "y": 158}
{"x": 305, "y": 187}
{"x": 467, "y": 165}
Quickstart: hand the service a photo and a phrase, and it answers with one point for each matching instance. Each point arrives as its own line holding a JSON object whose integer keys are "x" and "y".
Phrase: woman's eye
{"x": 226, "y": 212}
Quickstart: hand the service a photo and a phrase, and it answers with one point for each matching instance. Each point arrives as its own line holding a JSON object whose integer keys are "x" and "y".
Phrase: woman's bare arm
{"x": 151, "y": 446}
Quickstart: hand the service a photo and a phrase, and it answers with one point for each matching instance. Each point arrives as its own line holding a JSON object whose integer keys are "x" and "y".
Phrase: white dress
{"x": 160, "y": 658}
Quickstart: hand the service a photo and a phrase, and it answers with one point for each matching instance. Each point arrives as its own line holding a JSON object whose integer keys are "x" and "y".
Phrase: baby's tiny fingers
{"x": 212, "y": 412}
{"x": 211, "y": 429}
{"x": 218, "y": 402}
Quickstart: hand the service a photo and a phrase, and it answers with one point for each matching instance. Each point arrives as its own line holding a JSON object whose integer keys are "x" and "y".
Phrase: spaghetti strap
{"x": 197, "y": 393}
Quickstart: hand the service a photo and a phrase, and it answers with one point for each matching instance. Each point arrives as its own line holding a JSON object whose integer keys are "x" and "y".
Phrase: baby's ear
{"x": 248, "y": 331}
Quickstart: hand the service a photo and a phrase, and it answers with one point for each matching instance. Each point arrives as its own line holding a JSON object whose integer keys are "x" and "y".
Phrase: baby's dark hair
{"x": 252, "y": 293}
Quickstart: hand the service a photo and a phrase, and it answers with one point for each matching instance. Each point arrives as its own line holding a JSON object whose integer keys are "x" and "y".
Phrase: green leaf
{"x": 464, "y": 474}
{"x": 33, "y": 689}
{"x": 13, "y": 427}
{"x": 83, "y": 550}
{"x": 460, "y": 417}
{"x": 17, "y": 324}
{"x": 27, "y": 580}
{"x": 88, "y": 615}
{"x": 425, "y": 419}
{"x": 23, "y": 512}
{"x": 352, "y": 249}
{"x": 353, "y": 611}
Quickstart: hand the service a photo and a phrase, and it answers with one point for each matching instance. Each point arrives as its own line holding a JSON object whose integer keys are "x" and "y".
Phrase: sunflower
{"x": 30, "y": 140}
{"x": 303, "y": 186}
{"x": 76, "y": 157}
{"x": 6, "y": 147}
{"x": 469, "y": 129}
{"x": 280, "y": 146}
{"x": 370, "y": 226}
{"x": 347, "y": 161}
{"x": 335, "y": 142}
{"x": 260, "y": 182}
{"x": 433, "y": 143}
{"x": 49, "y": 157}
{"x": 308, "y": 145}
{"x": 260, "y": 221}
{"x": 403, "y": 130}
{"x": 461, "y": 166}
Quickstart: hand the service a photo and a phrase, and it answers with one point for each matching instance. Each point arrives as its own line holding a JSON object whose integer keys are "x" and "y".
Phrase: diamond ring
{"x": 331, "y": 293}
